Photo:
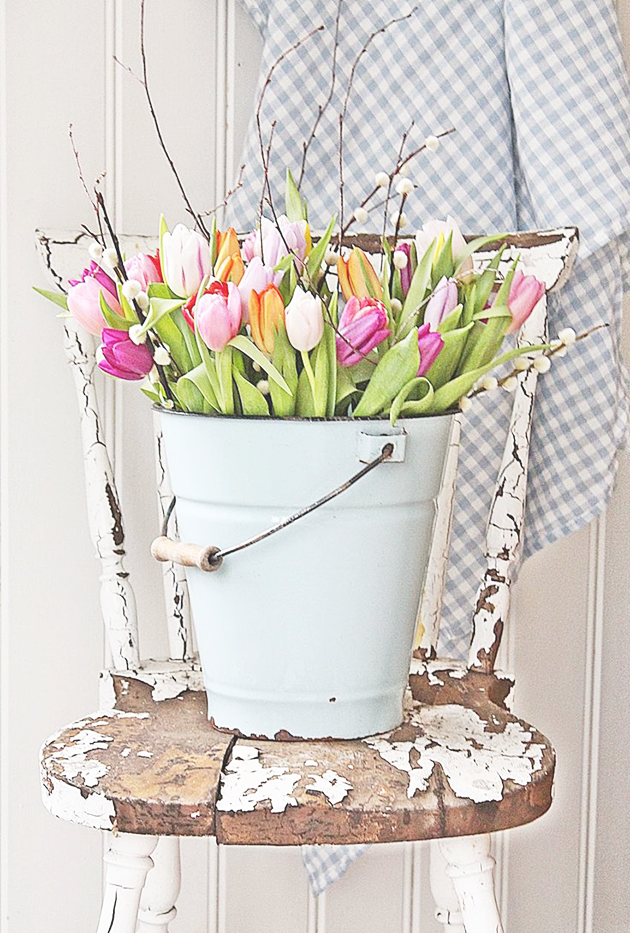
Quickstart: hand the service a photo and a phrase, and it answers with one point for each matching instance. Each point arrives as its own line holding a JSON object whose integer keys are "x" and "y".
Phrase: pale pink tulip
{"x": 525, "y": 293}
{"x": 304, "y": 320}
{"x": 84, "y": 298}
{"x": 257, "y": 277}
{"x": 217, "y": 315}
{"x": 186, "y": 260}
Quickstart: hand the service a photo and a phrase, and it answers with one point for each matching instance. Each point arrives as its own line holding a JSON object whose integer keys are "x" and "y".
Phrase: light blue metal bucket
{"x": 309, "y": 632}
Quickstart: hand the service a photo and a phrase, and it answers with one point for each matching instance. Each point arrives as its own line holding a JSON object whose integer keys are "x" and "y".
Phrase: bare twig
{"x": 197, "y": 218}
{"x": 230, "y": 194}
{"x": 322, "y": 108}
{"x": 129, "y": 71}
{"x": 265, "y": 154}
{"x": 82, "y": 176}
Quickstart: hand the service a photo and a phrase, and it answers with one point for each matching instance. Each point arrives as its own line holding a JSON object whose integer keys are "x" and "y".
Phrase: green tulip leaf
{"x": 245, "y": 345}
{"x": 446, "y": 363}
{"x": 451, "y": 321}
{"x": 295, "y": 207}
{"x": 417, "y": 291}
{"x": 448, "y": 395}
{"x": 305, "y": 405}
{"x": 253, "y": 402}
{"x": 316, "y": 256}
{"x": 284, "y": 361}
{"x": 475, "y": 245}
{"x": 418, "y": 392}
{"x": 394, "y": 370}
{"x": 113, "y": 320}
{"x": 443, "y": 262}
{"x": 57, "y": 298}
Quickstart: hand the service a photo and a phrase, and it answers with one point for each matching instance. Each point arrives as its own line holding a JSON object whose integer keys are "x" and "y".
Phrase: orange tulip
{"x": 229, "y": 264}
{"x": 266, "y": 310}
{"x": 357, "y": 276}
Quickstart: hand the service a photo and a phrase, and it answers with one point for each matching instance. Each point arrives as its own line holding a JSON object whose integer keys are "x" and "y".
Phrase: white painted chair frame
{"x": 461, "y": 868}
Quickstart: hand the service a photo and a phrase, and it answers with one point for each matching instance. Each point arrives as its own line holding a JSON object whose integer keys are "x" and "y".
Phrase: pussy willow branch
{"x": 322, "y": 107}
{"x": 392, "y": 175}
{"x": 551, "y": 352}
{"x": 344, "y": 110}
{"x": 145, "y": 83}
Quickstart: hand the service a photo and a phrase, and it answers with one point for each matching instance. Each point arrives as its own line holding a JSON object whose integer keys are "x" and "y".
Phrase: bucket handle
{"x": 210, "y": 558}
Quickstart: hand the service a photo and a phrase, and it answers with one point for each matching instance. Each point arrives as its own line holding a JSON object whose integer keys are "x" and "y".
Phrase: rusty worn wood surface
{"x": 460, "y": 764}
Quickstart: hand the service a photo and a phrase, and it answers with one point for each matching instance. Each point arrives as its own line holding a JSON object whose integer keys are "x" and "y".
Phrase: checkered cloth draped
{"x": 538, "y": 94}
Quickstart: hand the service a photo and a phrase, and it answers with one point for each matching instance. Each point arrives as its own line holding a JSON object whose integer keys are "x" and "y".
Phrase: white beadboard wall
{"x": 565, "y": 874}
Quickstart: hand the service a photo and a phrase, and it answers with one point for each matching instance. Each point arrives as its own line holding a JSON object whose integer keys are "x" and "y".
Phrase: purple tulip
{"x": 362, "y": 326}
{"x": 257, "y": 277}
{"x": 124, "y": 358}
{"x": 443, "y": 300}
{"x": 84, "y": 298}
{"x": 525, "y": 293}
{"x": 430, "y": 345}
{"x": 405, "y": 274}
{"x": 218, "y": 315}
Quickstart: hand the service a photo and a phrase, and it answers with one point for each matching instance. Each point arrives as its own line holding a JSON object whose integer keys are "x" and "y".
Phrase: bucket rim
{"x": 294, "y": 420}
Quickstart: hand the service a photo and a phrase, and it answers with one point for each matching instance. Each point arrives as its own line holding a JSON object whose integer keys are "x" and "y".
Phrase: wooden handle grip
{"x": 188, "y": 555}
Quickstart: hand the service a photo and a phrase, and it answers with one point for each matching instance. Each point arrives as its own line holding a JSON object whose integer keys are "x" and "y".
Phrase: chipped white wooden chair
{"x": 150, "y": 768}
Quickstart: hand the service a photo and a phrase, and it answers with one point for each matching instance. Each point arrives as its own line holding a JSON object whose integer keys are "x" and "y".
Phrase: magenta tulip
{"x": 430, "y": 346}
{"x": 84, "y": 298}
{"x": 363, "y": 325}
{"x": 122, "y": 357}
{"x": 405, "y": 274}
{"x": 525, "y": 293}
{"x": 218, "y": 315}
{"x": 443, "y": 300}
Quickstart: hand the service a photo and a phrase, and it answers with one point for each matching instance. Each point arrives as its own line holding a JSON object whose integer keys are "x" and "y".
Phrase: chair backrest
{"x": 548, "y": 255}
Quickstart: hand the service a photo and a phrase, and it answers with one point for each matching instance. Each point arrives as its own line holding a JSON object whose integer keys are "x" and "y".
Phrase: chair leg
{"x": 470, "y": 866}
{"x": 127, "y": 863}
{"x": 159, "y": 896}
{"x": 444, "y": 894}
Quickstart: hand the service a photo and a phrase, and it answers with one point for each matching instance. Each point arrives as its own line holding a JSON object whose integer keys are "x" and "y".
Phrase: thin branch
{"x": 391, "y": 180}
{"x": 230, "y": 194}
{"x": 129, "y": 71}
{"x": 158, "y": 130}
{"x": 322, "y": 108}
{"x": 265, "y": 155}
{"x": 77, "y": 159}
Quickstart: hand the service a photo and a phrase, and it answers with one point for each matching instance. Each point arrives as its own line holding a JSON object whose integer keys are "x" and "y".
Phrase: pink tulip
{"x": 84, "y": 298}
{"x": 293, "y": 234}
{"x": 218, "y": 315}
{"x": 430, "y": 346}
{"x": 525, "y": 293}
{"x": 186, "y": 260}
{"x": 362, "y": 326}
{"x": 443, "y": 300}
{"x": 304, "y": 320}
{"x": 123, "y": 358}
{"x": 257, "y": 277}
{"x": 145, "y": 269}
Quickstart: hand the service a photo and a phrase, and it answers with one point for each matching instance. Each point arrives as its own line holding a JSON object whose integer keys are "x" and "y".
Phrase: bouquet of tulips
{"x": 280, "y": 323}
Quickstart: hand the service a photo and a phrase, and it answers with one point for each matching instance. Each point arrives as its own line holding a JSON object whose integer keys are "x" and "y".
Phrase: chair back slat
{"x": 118, "y": 604}
{"x": 549, "y": 259}
{"x": 178, "y": 620}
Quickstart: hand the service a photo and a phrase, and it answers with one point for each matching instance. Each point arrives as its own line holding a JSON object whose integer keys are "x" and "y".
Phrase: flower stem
{"x": 309, "y": 371}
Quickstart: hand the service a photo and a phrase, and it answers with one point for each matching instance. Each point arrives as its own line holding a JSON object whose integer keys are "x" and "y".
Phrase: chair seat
{"x": 460, "y": 764}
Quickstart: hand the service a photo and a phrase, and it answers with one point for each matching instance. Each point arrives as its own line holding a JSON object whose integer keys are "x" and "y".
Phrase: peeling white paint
{"x": 195, "y": 815}
{"x": 74, "y": 760}
{"x": 331, "y": 785}
{"x": 66, "y": 802}
{"x": 475, "y": 762}
{"x": 145, "y": 754}
{"x": 125, "y": 752}
{"x": 246, "y": 783}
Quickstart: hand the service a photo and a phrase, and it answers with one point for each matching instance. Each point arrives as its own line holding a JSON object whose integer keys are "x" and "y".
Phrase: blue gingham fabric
{"x": 538, "y": 94}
